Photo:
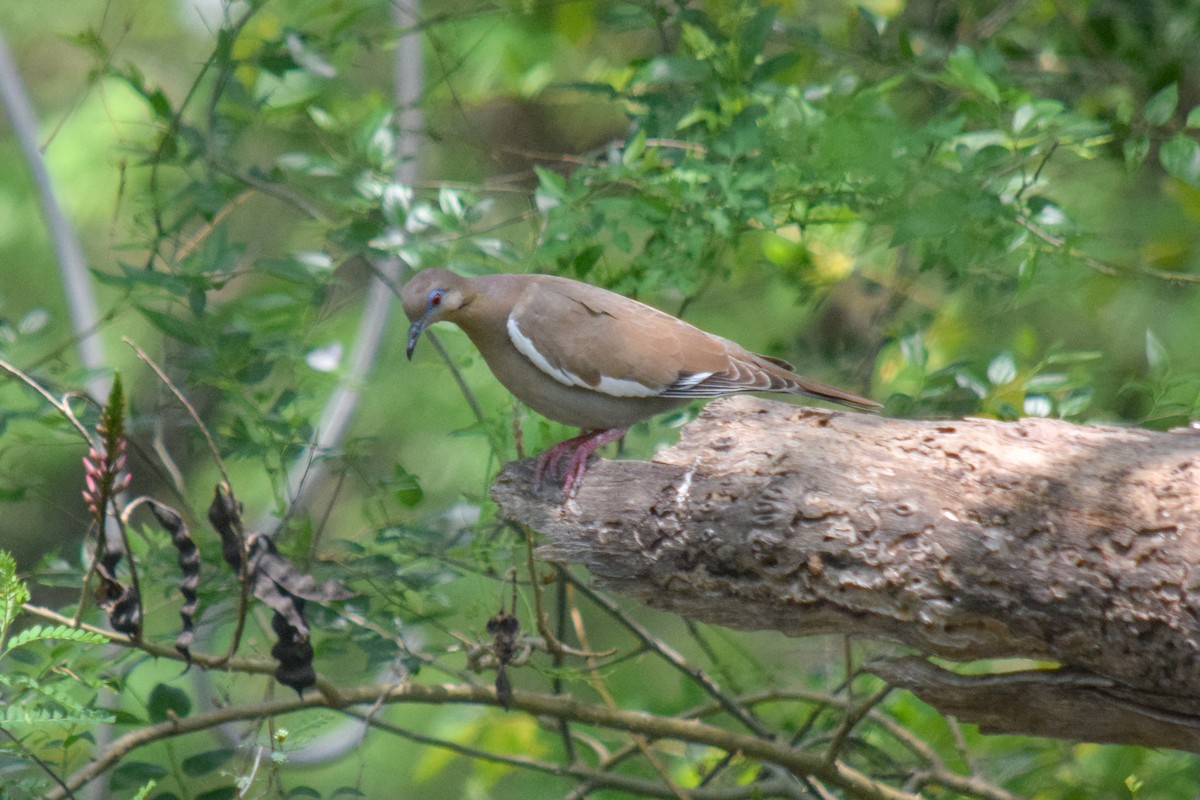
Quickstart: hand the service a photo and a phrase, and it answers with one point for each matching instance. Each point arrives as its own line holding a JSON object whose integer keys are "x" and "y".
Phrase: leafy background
{"x": 970, "y": 208}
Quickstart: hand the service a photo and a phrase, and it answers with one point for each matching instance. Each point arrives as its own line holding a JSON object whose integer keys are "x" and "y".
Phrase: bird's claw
{"x": 580, "y": 448}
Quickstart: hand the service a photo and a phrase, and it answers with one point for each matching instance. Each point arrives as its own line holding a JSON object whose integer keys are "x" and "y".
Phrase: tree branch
{"x": 963, "y": 539}
{"x": 836, "y": 774}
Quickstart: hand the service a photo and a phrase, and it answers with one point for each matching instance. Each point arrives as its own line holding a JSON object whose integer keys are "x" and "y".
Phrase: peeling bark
{"x": 962, "y": 539}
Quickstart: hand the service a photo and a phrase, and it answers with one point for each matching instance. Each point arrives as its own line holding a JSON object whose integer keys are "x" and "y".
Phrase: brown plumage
{"x": 588, "y": 357}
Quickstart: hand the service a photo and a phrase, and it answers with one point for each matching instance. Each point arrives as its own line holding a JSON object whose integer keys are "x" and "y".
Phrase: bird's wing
{"x": 589, "y": 337}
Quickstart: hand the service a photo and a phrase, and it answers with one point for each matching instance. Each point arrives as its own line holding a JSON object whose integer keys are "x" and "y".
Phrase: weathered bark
{"x": 962, "y": 539}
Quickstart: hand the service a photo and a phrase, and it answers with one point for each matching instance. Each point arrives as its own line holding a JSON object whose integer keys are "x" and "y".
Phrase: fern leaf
{"x": 13, "y": 592}
{"x": 39, "y": 633}
{"x": 36, "y": 716}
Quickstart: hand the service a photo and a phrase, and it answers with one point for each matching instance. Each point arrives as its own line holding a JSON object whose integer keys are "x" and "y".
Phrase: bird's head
{"x": 431, "y": 296}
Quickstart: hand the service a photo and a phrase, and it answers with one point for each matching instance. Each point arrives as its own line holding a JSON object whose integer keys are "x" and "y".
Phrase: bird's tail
{"x": 834, "y": 395}
{"x": 802, "y": 385}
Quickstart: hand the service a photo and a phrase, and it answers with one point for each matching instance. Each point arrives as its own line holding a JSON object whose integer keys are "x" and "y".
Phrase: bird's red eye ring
{"x": 435, "y": 298}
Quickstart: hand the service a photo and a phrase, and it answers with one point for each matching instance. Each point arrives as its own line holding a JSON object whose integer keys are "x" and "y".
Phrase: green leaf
{"x": 405, "y": 487}
{"x": 752, "y": 38}
{"x": 1180, "y": 157}
{"x": 775, "y": 65}
{"x": 1162, "y": 105}
{"x": 1135, "y": 149}
{"x": 39, "y": 633}
{"x": 1074, "y": 357}
{"x": 551, "y": 183}
{"x": 38, "y": 717}
{"x": 1193, "y": 117}
{"x": 634, "y": 149}
{"x": 135, "y": 773}
{"x": 204, "y": 763}
{"x": 13, "y": 592}
{"x": 224, "y": 793}
{"x": 171, "y": 326}
{"x": 963, "y": 70}
{"x": 166, "y": 700}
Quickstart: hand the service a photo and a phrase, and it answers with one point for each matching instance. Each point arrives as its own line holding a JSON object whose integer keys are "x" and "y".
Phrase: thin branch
{"x": 672, "y": 657}
{"x": 561, "y": 605}
{"x": 798, "y": 762}
{"x": 597, "y": 682}
{"x": 183, "y": 401}
{"x": 279, "y": 191}
{"x": 167, "y": 139}
{"x": 456, "y": 373}
{"x": 41, "y": 764}
{"x": 188, "y": 247}
{"x": 243, "y": 560}
{"x": 853, "y": 716}
{"x": 594, "y": 777}
{"x": 335, "y": 697}
{"x": 1059, "y": 243}
{"x": 60, "y": 406}
{"x": 1037, "y": 173}
{"x": 554, "y": 645}
{"x": 253, "y": 666}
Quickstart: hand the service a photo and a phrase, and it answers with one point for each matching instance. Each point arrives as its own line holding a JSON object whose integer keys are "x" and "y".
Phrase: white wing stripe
{"x": 614, "y": 387}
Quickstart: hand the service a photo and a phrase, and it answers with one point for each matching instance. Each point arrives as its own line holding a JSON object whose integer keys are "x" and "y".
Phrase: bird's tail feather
{"x": 835, "y": 395}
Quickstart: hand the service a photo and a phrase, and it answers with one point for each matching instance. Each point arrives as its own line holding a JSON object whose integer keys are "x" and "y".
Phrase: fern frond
{"x": 41, "y": 633}
{"x": 13, "y": 592}
{"x": 34, "y": 715}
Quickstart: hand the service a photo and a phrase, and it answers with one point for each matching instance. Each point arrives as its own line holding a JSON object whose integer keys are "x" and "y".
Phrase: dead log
{"x": 965, "y": 540}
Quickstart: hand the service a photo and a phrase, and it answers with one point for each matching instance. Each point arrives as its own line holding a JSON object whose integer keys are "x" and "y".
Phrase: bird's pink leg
{"x": 580, "y": 449}
{"x": 553, "y": 455}
{"x": 590, "y": 444}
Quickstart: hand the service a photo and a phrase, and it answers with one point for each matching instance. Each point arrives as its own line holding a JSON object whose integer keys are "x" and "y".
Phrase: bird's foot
{"x": 580, "y": 449}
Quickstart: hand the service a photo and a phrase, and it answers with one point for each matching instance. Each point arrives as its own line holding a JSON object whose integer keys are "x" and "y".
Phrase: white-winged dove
{"x": 589, "y": 357}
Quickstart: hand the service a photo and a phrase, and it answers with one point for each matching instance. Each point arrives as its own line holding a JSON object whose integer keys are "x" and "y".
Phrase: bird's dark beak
{"x": 414, "y": 332}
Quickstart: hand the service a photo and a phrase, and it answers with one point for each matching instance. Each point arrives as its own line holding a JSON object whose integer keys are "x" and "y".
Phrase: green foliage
{"x": 44, "y": 705}
{"x": 13, "y": 594}
{"x": 39, "y": 633}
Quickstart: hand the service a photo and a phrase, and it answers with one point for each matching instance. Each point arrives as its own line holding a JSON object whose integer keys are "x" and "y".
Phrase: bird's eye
{"x": 435, "y": 297}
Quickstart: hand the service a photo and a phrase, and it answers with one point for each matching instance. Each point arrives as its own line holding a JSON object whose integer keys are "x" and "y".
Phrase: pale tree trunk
{"x": 965, "y": 540}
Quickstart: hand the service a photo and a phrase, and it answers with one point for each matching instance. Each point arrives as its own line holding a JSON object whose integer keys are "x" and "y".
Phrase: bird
{"x": 591, "y": 358}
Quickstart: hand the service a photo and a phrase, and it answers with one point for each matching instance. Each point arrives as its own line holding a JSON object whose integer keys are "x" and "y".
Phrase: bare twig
{"x": 456, "y": 373}
{"x": 563, "y": 608}
{"x": 597, "y": 682}
{"x": 554, "y": 645}
{"x": 183, "y": 401}
{"x": 32, "y": 756}
{"x": 839, "y": 775}
{"x": 854, "y": 714}
{"x": 672, "y": 657}
{"x": 561, "y": 707}
{"x": 593, "y": 777}
{"x": 59, "y": 405}
{"x": 1059, "y": 243}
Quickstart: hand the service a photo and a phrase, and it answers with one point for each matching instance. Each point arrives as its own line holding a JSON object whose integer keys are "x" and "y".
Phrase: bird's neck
{"x": 484, "y": 317}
